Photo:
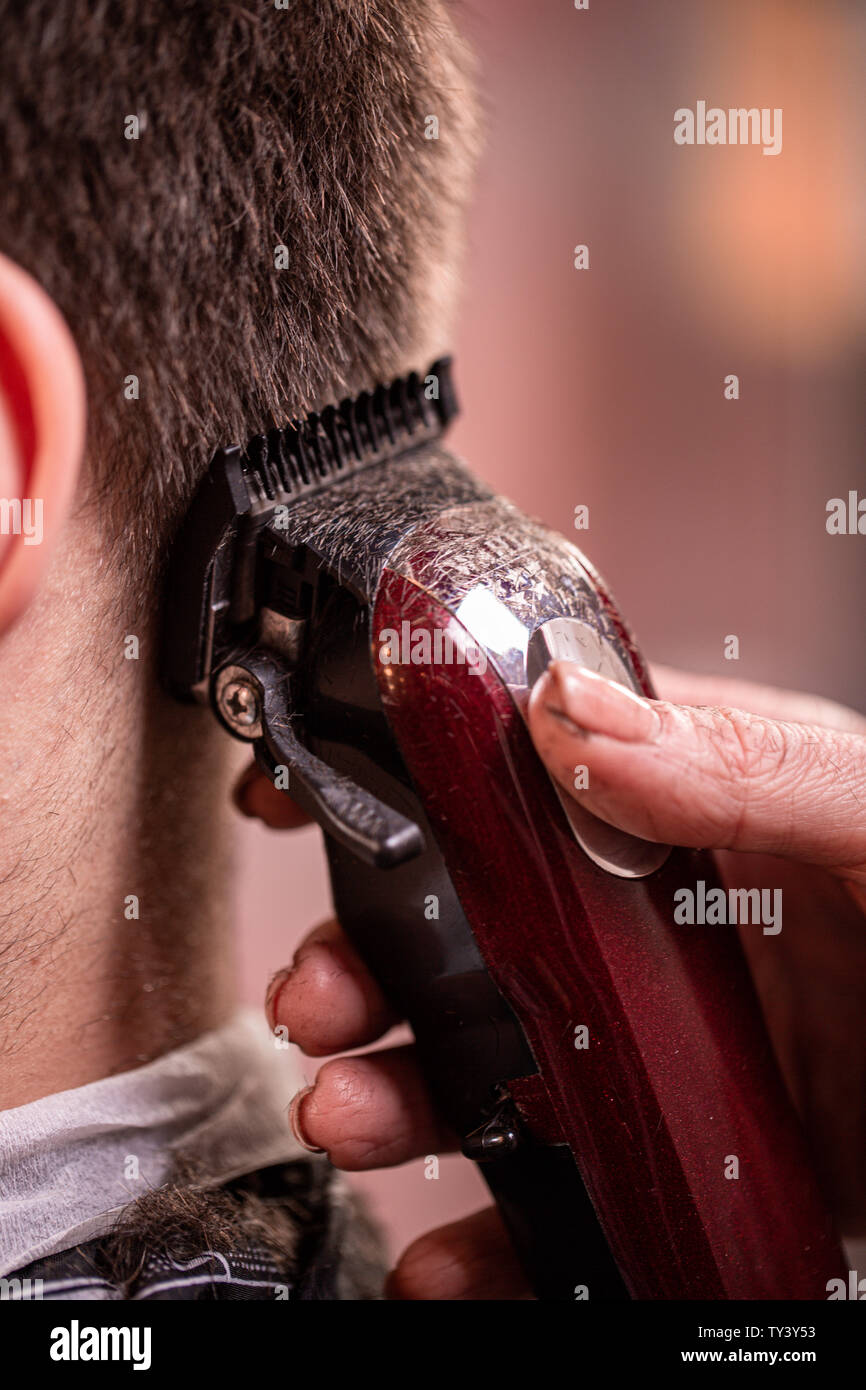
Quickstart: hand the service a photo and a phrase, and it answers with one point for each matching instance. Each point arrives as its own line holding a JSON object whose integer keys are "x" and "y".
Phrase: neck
{"x": 114, "y": 848}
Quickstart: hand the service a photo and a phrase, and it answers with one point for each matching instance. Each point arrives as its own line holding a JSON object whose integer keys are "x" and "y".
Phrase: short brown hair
{"x": 304, "y": 126}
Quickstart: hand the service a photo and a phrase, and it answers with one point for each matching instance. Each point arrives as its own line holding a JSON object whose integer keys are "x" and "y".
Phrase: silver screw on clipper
{"x": 238, "y": 700}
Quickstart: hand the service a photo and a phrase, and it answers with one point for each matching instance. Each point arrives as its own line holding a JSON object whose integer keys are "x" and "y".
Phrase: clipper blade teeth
{"x": 341, "y": 439}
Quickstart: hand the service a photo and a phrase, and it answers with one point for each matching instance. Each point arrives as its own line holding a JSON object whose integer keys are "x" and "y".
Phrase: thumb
{"x": 704, "y": 777}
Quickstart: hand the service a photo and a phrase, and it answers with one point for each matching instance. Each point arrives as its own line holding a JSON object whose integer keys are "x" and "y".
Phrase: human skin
{"x": 776, "y": 782}
{"x": 101, "y": 799}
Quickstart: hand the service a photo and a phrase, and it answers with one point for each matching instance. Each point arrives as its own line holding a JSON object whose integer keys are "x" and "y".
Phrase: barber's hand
{"x": 374, "y": 1110}
{"x": 787, "y": 779}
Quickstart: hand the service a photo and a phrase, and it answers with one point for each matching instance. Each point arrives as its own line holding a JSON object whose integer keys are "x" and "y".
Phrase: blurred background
{"x": 605, "y": 387}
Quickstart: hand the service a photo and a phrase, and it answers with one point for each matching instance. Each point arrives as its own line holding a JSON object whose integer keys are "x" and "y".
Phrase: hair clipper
{"x": 371, "y": 618}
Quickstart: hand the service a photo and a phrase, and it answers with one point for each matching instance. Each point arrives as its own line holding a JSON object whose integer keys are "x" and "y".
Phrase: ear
{"x": 42, "y": 414}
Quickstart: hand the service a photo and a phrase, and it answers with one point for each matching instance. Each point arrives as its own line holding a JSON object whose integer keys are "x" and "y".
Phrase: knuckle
{"x": 751, "y": 749}
{"x": 750, "y": 759}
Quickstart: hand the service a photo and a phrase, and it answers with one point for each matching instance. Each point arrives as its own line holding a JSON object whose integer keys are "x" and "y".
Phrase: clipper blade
{"x": 338, "y": 441}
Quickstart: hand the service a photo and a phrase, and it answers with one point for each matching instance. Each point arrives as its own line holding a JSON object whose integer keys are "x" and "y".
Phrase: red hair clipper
{"x": 371, "y": 618}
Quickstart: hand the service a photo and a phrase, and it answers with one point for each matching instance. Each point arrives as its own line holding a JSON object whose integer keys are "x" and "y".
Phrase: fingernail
{"x": 295, "y": 1121}
{"x": 569, "y": 724}
{"x": 273, "y": 993}
{"x": 592, "y": 704}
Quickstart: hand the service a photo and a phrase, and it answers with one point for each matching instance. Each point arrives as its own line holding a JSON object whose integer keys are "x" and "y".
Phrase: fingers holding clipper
{"x": 703, "y": 776}
{"x": 327, "y": 1000}
{"x": 256, "y": 796}
{"x": 371, "y": 1111}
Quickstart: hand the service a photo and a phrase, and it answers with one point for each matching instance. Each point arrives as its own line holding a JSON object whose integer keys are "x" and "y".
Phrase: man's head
{"x": 214, "y": 217}
{"x": 237, "y": 208}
